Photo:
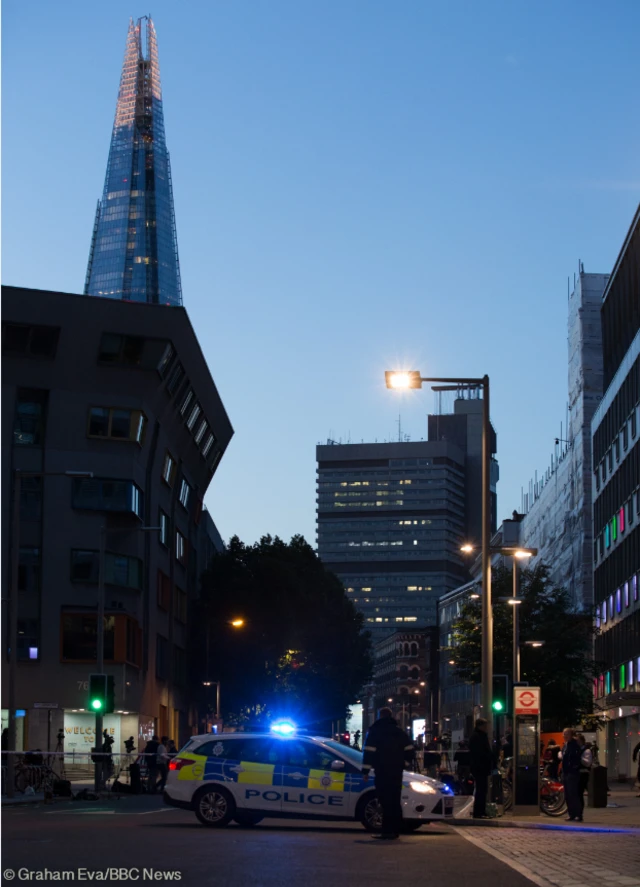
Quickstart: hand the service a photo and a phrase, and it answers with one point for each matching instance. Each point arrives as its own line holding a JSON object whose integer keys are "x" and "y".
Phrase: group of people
{"x": 156, "y": 755}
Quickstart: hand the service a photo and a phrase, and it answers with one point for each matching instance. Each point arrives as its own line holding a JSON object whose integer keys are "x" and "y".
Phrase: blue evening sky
{"x": 359, "y": 185}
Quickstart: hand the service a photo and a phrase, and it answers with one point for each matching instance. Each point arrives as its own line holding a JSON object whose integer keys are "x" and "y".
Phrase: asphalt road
{"x": 140, "y": 834}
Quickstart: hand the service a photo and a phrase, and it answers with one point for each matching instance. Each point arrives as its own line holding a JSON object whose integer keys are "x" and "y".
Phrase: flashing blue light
{"x": 446, "y": 790}
{"x": 284, "y": 728}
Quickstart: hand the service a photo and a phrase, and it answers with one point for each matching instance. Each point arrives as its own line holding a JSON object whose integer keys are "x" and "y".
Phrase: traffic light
{"x": 101, "y": 694}
{"x": 500, "y": 694}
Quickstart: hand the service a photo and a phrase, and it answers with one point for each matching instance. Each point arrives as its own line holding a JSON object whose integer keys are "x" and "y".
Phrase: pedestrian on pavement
{"x": 150, "y": 754}
{"x": 571, "y": 754}
{"x": 388, "y": 750}
{"x": 431, "y": 760}
{"x": 481, "y": 761}
{"x": 163, "y": 762}
{"x": 586, "y": 761}
{"x": 172, "y": 749}
{"x": 636, "y": 755}
{"x": 356, "y": 739}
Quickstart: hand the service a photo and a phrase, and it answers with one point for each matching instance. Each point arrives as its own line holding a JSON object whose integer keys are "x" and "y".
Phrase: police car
{"x": 245, "y": 777}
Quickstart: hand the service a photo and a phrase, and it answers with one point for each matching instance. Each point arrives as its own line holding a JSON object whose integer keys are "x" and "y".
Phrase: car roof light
{"x": 283, "y": 728}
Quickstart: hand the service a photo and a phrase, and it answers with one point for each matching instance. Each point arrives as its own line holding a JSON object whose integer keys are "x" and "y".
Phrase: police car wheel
{"x": 214, "y": 806}
{"x": 370, "y": 813}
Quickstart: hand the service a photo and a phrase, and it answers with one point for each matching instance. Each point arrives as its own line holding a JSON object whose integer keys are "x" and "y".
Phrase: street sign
{"x": 526, "y": 700}
{"x": 45, "y": 705}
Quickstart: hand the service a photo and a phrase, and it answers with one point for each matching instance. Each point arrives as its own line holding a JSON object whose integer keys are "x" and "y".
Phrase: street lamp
{"x": 413, "y": 379}
{"x": 13, "y": 608}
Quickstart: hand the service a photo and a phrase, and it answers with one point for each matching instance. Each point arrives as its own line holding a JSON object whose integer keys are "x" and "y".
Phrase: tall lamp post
{"x": 413, "y": 379}
{"x": 13, "y": 607}
{"x": 100, "y": 632}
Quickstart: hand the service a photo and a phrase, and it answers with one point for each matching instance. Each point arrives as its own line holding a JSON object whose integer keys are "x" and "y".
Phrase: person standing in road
{"x": 151, "y": 759}
{"x": 481, "y": 761}
{"x": 636, "y": 756}
{"x": 586, "y": 760}
{"x": 571, "y": 754}
{"x": 388, "y": 750}
{"x": 163, "y": 762}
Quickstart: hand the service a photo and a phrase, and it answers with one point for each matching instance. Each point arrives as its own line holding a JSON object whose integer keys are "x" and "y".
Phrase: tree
{"x": 563, "y": 667}
{"x": 301, "y": 651}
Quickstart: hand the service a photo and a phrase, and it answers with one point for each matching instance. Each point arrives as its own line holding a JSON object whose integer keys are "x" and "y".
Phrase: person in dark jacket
{"x": 151, "y": 757}
{"x": 388, "y": 750}
{"x": 571, "y": 754}
{"x": 481, "y": 760}
{"x": 636, "y": 755}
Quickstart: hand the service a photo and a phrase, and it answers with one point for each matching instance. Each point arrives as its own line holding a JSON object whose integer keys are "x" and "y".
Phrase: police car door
{"x": 257, "y": 773}
{"x": 309, "y": 784}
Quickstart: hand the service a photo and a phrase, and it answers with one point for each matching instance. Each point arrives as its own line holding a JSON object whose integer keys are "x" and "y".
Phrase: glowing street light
{"x": 237, "y": 623}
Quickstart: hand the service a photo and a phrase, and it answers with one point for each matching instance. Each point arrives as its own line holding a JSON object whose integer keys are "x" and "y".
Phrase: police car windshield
{"x": 351, "y": 754}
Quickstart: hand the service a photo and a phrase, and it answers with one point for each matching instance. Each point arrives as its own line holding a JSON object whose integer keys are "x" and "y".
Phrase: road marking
{"x": 147, "y": 812}
{"x": 79, "y": 812}
{"x": 517, "y": 866}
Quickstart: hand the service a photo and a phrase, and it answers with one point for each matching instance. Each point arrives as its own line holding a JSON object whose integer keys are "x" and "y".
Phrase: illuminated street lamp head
{"x": 467, "y": 548}
{"x": 523, "y": 553}
{"x": 514, "y": 600}
{"x": 534, "y": 643}
{"x": 390, "y": 699}
{"x": 237, "y": 623}
{"x": 403, "y": 379}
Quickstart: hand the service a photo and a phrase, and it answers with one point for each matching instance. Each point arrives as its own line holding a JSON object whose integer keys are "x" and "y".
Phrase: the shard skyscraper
{"x": 134, "y": 251}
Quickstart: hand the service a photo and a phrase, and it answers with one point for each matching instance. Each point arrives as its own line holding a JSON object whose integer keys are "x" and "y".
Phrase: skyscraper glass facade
{"x": 134, "y": 250}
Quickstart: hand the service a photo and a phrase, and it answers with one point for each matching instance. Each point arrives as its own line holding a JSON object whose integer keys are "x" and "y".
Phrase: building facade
{"x": 134, "y": 250}
{"x": 399, "y": 679}
{"x": 616, "y": 512}
{"x": 123, "y": 392}
{"x": 557, "y": 506}
{"x": 392, "y": 517}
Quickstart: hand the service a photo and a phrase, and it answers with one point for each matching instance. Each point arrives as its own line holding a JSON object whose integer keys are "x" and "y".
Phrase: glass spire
{"x": 134, "y": 250}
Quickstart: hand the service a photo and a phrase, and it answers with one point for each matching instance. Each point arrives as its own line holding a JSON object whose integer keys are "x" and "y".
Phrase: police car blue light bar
{"x": 283, "y": 728}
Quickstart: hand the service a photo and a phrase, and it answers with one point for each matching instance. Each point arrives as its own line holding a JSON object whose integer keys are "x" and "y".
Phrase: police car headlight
{"x": 423, "y": 787}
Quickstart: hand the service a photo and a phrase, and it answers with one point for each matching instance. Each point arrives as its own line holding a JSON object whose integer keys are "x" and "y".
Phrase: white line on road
{"x": 146, "y": 812}
{"x": 517, "y": 866}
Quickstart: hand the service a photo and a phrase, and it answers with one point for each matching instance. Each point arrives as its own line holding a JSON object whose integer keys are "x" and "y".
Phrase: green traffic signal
{"x": 96, "y": 704}
{"x": 497, "y": 705}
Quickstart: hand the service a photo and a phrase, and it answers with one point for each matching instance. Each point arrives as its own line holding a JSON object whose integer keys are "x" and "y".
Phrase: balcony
{"x": 104, "y": 494}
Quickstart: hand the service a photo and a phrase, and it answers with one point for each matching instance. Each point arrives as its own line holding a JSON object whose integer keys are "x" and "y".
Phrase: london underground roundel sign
{"x": 527, "y": 700}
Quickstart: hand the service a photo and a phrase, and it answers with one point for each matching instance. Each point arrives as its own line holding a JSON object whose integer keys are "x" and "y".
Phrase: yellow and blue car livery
{"x": 249, "y": 776}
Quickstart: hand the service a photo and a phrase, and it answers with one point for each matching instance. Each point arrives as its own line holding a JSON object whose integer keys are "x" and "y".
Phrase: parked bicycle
{"x": 552, "y": 800}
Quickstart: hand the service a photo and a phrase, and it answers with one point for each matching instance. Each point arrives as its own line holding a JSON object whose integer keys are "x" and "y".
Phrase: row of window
{"x": 613, "y": 454}
{"x": 616, "y": 527}
{"x": 413, "y": 503}
{"x": 397, "y": 619}
{"x": 617, "y": 603}
{"x": 26, "y": 340}
{"x": 189, "y": 408}
{"x": 625, "y": 677}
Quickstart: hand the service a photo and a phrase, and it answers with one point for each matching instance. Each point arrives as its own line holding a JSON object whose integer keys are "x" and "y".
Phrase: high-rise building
{"x": 616, "y": 513}
{"x": 134, "y": 250}
{"x": 392, "y": 516}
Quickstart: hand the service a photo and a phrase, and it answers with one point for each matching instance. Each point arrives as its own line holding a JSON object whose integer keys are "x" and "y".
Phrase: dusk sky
{"x": 359, "y": 186}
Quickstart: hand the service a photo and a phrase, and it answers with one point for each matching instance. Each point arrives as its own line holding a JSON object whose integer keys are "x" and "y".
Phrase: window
{"x": 176, "y": 377}
{"x": 193, "y": 415}
{"x": 31, "y": 499}
{"x": 162, "y": 654}
{"x": 102, "y": 494}
{"x": 133, "y": 643}
{"x": 169, "y": 469}
{"x": 200, "y": 432}
{"x": 627, "y": 599}
{"x": 308, "y": 756}
{"x": 207, "y": 445}
{"x": 30, "y": 341}
{"x": 28, "y": 429}
{"x": 29, "y": 570}
{"x": 185, "y": 489}
{"x": 164, "y": 590}
{"x": 634, "y": 424}
{"x": 186, "y": 401}
{"x": 625, "y": 437}
{"x": 598, "y": 616}
{"x": 227, "y": 749}
{"x": 117, "y": 424}
{"x": 180, "y": 606}
{"x": 119, "y": 569}
{"x": 117, "y": 349}
{"x": 165, "y": 361}
{"x": 165, "y": 528}
{"x": 610, "y": 460}
{"x": 181, "y": 548}
{"x": 28, "y": 639}
{"x": 179, "y": 666}
{"x": 79, "y": 637}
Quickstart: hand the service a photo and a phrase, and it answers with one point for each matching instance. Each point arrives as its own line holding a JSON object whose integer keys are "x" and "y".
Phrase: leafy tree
{"x": 563, "y": 667}
{"x": 301, "y": 651}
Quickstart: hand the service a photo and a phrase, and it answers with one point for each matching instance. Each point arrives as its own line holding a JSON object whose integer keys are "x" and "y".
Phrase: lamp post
{"x": 234, "y": 623}
{"x": 100, "y": 632}
{"x": 13, "y": 607}
{"x": 413, "y": 379}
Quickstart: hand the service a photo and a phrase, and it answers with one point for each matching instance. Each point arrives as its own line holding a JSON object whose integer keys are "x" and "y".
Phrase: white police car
{"x": 247, "y": 776}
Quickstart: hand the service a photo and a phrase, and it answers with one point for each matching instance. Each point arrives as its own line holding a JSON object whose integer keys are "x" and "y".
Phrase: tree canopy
{"x": 563, "y": 667}
{"x": 300, "y": 652}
